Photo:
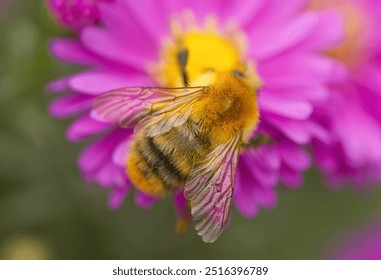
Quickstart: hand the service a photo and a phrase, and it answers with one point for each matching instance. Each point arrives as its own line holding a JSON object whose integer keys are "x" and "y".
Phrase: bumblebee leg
{"x": 258, "y": 140}
{"x": 182, "y": 58}
{"x": 183, "y": 220}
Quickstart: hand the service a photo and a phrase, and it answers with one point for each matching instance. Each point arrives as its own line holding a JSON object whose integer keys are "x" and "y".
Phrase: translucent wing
{"x": 210, "y": 186}
{"x": 130, "y": 106}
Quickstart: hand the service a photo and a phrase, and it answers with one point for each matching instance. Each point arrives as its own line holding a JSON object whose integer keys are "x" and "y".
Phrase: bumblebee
{"x": 188, "y": 137}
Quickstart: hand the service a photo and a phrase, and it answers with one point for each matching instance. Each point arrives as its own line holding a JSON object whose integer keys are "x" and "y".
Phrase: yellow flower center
{"x": 208, "y": 51}
{"x": 352, "y": 50}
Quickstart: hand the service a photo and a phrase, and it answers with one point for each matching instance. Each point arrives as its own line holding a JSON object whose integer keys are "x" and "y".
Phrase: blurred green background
{"x": 47, "y": 212}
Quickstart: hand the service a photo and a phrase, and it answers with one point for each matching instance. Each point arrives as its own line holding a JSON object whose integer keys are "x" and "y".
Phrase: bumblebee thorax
{"x": 232, "y": 101}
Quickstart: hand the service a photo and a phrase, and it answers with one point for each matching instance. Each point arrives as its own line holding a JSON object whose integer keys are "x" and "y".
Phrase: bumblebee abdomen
{"x": 160, "y": 164}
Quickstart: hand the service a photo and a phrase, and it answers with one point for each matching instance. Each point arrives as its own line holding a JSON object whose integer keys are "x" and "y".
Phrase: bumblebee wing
{"x": 129, "y": 106}
{"x": 210, "y": 186}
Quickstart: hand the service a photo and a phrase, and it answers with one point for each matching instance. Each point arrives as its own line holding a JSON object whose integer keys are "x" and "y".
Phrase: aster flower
{"x": 353, "y": 116}
{"x": 136, "y": 46}
{"x": 76, "y": 14}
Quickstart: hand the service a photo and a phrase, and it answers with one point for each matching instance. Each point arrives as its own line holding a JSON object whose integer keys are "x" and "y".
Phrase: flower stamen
{"x": 209, "y": 49}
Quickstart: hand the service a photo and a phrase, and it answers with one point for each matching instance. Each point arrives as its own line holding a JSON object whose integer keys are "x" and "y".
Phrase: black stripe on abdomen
{"x": 159, "y": 164}
{"x": 166, "y": 160}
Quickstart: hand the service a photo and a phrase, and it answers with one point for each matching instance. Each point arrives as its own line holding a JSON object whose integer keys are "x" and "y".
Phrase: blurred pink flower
{"x": 6, "y": 9}
{"x": 359, "y": 244}
{"x": 76, "y": 14}
{"x": 284, "y": 42}
{"x": 353, "y": 115}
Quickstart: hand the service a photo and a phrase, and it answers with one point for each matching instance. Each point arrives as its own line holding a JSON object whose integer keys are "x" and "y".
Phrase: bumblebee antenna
{"x": 182, "y": 58}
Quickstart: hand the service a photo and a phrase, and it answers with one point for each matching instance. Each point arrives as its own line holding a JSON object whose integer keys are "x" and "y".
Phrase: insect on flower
{"x": 188, "y": 137}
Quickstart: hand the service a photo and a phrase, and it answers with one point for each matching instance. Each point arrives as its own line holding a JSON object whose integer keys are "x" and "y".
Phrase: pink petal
{"x": 93, "y": 157}
{"x": 249, "y": 194}
{"x": 97, "y": 82}
{"x": 292, "y": 129}
{"x": 285, "y": 107}
{"x": 370, "y": 77}
{"x": 291, "y": 82}
{"x": 294, "y": 156}
{"x": 273, "y": 43}
{"x": 242, "y": 11}
{"x": 318, "y": 132}
{"x": 263, "y": 176}
{"x": 242, "y": 198}
{"x": 328, "y": 157}
{"x": 291, "y": 178}
{"x": 117, "y": 197}
{"x": 119, "y": 156}
{"x": 276, "y": 10}
{"x": 58, "y": 85}
{"x": 147, "y": 16}
{"x": 106, "y": 174}
{"x": 72, "y": 51}
{"x": 144, "y": 201}
{"x": 302, "y": 65}
{"x": 311, "y": 94}
{"x": 353, "y": 121}
{"x": 268, "y": 157}
{"x": 202, "y": 9}
{"x": 327, "y": 34}
{"x": 69, "y": 104}
{"x": 272, "y": 17}
{"x": 105, "y": 44}
{"x": 85, "y": 127}
{"x": 126, "y": 28}
{"x": 267, "y": 198}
